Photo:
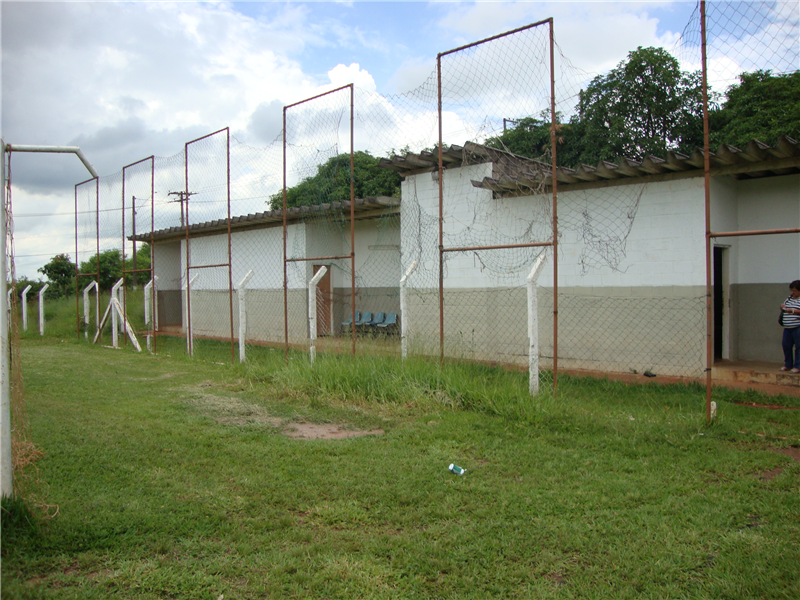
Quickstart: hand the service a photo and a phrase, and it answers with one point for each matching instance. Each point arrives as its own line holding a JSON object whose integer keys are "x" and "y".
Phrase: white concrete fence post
{"x": 533, "y": 325}
{"x": 241, "y": 291}
{"x": 149, "y": 291}
{"x": 41, "y": 308}
{"x": 115, "y": 321}
{"x": 186, "y": 291}
{"x": 87, "y": 308}
{"x": 6, "y": 476}
{"x": 404, "y": 314}
{"x": 24, "y": 298}
{"x": 312, "y": 310}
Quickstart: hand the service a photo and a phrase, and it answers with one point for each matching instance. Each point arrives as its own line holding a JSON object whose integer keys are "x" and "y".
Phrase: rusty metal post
{"x": 707, "y": 199}
{"x": 554, "y": 184}
{"x": 352, "y": 224}
{"x": 441, "y": 211}
{"x": 285, "y": 256}
{"x": 153, "y": 251}
{"x": 124, "y": 271}
{"x": 189, "y": 344}
{"x": 77, "y": 277}
{"x": 230, "y": 251}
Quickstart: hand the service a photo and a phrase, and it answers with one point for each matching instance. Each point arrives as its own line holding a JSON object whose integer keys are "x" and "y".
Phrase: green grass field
{"x": 174, "y": 478}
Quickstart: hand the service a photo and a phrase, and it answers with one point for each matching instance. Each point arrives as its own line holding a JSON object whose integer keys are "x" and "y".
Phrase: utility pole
{"x": 182, "y": 197}
{"x": 133, "y": 237}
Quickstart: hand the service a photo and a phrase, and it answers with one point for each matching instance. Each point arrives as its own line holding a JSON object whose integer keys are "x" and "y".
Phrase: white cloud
{"x": 341, "y": 75}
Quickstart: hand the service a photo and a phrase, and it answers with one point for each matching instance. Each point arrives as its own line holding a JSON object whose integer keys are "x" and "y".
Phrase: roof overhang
{"x": 365, "y": 208}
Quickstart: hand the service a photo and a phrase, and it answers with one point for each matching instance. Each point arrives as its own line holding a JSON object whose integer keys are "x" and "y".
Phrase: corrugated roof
{"x": 364, "y": 208}
{"x": 512, "y": 173}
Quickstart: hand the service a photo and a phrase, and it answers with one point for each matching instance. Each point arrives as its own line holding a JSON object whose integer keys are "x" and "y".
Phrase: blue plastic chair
{"x": 379, "y": 318}
{"x": 365, "y": 318}
{"x": 350, "y": 320}
{"x": 391, "y": 319}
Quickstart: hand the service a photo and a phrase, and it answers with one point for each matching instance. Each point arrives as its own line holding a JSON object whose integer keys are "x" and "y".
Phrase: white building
{"x": 631, "y": 259}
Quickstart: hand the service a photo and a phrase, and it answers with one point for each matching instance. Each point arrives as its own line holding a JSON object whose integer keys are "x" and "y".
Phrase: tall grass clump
{"x": 18, "y": 522}
{"x": 417, "y": 382}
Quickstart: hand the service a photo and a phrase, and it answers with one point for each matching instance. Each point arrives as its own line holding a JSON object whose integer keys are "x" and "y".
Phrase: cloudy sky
{"x": 126, "y": 80}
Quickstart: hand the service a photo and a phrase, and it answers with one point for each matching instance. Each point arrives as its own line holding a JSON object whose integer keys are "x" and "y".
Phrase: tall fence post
{"x": 41, "y": 308}
{"x": 115, "y": 320}
{"x": 312, "y": 310}
{"x": 404, "y": 314}
{"x": 87, "y": 307}
{"x": 240, "y": 292}
{"x": 149, "y": 290}
{"x": 24, "y": 298}
{"x": 533, "y": 325}
{"x": 186, "y": 291}
{"x": 6, "y": 475}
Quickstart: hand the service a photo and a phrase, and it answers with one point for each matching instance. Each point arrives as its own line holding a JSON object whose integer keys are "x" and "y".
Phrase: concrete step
{"x": 754, "y": 372}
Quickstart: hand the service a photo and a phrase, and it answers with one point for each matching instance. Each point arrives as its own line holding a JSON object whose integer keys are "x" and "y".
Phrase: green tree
{"x": 142, "y": 262}
{"x": 761, "y": 106}
{"x": 60, "y": 273}
{"x": 109, "y": 268}
{"x": 331, "y": 183}
{"x": 646, "y": 105}
{"x": 531, "y": 137}
{"x": 24, "y": 282}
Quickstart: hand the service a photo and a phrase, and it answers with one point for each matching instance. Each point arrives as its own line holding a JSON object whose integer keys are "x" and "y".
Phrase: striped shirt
{"x": 789, "y": 320}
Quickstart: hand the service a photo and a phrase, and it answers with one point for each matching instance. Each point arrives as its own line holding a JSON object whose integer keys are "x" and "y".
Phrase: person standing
{"x": 790, "y": 319}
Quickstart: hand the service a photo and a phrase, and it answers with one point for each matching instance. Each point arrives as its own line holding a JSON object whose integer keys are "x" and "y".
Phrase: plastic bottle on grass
{"x": 456, "y": 469}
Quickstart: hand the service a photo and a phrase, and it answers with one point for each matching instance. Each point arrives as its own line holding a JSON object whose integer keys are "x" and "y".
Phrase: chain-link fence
{"x": 749, "y": 54}
{"x": 411, "y": 224}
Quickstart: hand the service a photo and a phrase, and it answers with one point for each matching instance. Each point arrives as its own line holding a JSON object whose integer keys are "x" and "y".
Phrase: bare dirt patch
{"x": 770, "y": 475}
{"x": 793, "y": 453}
{"x": 227, "y": 410}
{"x": 790, "y": 452}
{"x": 232, "y": 411}
{"x": 324, "y": 431}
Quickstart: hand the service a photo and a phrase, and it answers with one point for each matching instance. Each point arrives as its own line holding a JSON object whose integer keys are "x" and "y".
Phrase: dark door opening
{"x": 719, "y": 301}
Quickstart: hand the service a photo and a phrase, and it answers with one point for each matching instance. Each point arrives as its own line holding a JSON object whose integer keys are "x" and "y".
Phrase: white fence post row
{"x": 41, "y": 308}
{"x": 87, "y": 307}
{"x": 533, "y": 325}
{"x": 115, "y": 321}
{"x": 241, "y": 290}
{"x": 312, "y": 310}
{"x": 116, "y": 293}
{"x": 404, "y": 320}
{"x": 188, "y": 325}
{"x": 25, "y": 308}
{"x": 149, "y": 290}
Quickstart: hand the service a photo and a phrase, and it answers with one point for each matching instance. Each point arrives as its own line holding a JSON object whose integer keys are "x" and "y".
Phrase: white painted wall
{"x": 663, "y": 247}
{"x": 260, "y": 250}
{"x": 770, "y": 203}
{"x": 167, "y": 263}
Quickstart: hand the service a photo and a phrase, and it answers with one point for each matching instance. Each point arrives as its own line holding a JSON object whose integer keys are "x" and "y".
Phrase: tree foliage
{"x": 646, "y": 105}
{"x": 331, "y": 183}
{"x": 531, "y": 137}
{"x": 761, "y": 106}
{"x": 109, "y": 267}
{"x": 60, "y": 273}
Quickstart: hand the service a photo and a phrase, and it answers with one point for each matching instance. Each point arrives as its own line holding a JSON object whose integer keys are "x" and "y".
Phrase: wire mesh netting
{"x": 458, "y": 260}
{"x": 752, "y": 52}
